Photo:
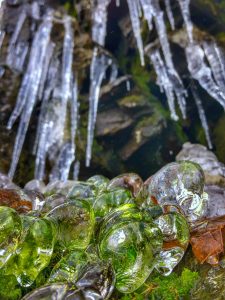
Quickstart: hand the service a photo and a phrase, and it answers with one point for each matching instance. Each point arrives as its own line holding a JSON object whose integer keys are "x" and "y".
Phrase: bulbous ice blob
{"x": 129, "y": 239}
{"x": 71, "y": 188}
{"x": 179, "y": 184}
{"x": 176, "y": 236}
{"x": 68, "y": 268}
{"x": 10, "y": 232}
{"x": 130, "y": 181}
{"x": 34, "y": 252}
{"x": 100, "y": 182}
{"x": 82, "y": 190}
{"x": 75, "y": 222}
{"x": 35, "y": 185}
{"x": 108, "y": 200}
{"x": 98, "y": 276}
{"x": 53, "y": 201}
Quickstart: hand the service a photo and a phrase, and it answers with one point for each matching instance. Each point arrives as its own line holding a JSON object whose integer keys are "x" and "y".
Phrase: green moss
{"x": 172, "y": 287}
{"x": 9, "y": 288}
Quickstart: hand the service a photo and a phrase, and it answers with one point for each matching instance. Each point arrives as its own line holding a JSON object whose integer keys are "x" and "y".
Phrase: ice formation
{"x": 29, "y": 87}
{"x": 50, "y": 79}
{"x": 100, "y": 62}
{"x": 202, "y": 116}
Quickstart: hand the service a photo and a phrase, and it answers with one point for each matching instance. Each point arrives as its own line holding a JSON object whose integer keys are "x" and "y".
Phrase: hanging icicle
{"x": 74, "y": 115}
{"x": 134, "y": 8}
{"x": 163, "y": 79}
{"x": 12, "y": 49}
{"x": 185, "y": 10}
{"x": 99, "y": 21}
{"x": 114, "y": 73}
{"x": 67, "y": 61}
{"x": 2, "y": 32}
{"x": 76, "y": 170}
{"x": 202, "y": 73}
{"x": 47, "y": 123}
{"x": 29, "y": 87}
{"x": 202, "y": 116}
{"x": 170, "y": 14}
{"x": 212, "y": 55}
{"x": 63, "y": 163}
{"x": 99, "y": 64}
{"x": 148, "y": 12}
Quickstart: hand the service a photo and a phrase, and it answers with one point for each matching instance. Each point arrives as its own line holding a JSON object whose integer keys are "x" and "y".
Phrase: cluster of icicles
{"x": 53, "y": 81}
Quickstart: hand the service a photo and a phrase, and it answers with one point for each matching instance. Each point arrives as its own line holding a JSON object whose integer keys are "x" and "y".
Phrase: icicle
{"x": 2, "y": 32}
{"x": 148, "y": 12}
{"x": 43, "y": 144}
{"x": 32, "y": 78}
{"x": 114, "y": 73}
{"x": 48, "y": 57}
{"x": 2, "y": 35}
{"x": 202, "y": 116}
{"x": 221, "y": 57}
{"x": 17, "y": 56}
{"x": 62, "y": 167}
{"x": 44, "y": 118}
{"x": 179, "y": 91}
{"x": 202, "y": 73}
{"x": 31, "y": 72}
{"x": 152, "y": 8}
{"x": 215, "y": 64}
{"x": 184, "y": 6}
{"x": 128, "y": 85}
{"x": 170, "y": 14}
{"x": 34, "y": 10}
{"x": 74, "y": 114}
{"x": 53, "y": 115}
{"x": 14, "y": 38}
{"x": 163, "y": 80}
{"x": 50, "y": 85}
{"x": 76, "y": 170}
{"x": 99, "y": 21}
{"x": 162, "y": 34}
{"x": 99, "y": 64}
{"x": 134, "y": 15}
{"x": 67, "y": 61}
